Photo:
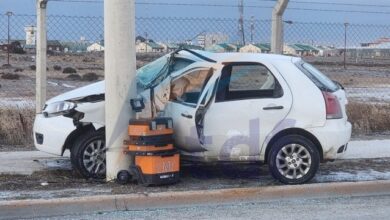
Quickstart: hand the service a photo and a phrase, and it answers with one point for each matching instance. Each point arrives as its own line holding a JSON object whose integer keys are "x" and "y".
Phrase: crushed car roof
{"x": 242, "y": 57}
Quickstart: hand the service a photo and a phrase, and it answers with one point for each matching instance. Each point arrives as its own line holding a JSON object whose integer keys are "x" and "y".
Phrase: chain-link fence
{"x": 358, "y": 56}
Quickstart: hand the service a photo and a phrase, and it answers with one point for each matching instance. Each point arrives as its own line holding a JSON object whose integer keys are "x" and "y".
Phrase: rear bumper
{"x": 334, "y": 138}
{"x": 51, "y": 133}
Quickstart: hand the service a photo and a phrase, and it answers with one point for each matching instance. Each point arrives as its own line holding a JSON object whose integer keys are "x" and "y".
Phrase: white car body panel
{"x": 232, "y": 130}
{"x": 55, "y": 130}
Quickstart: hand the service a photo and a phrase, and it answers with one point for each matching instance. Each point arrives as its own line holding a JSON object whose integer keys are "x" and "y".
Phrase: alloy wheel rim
{"x": 293, "y": 161}
{"x": 94, "y": 158}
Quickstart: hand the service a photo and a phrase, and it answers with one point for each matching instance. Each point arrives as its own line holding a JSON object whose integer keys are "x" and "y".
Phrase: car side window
{"x": 247, "y": 81}
{"x": 188, "y": 88}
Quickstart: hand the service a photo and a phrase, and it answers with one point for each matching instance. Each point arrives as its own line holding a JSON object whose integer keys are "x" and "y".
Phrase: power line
{"x": 255, "y": 6}
{"x": 340, "y": 4}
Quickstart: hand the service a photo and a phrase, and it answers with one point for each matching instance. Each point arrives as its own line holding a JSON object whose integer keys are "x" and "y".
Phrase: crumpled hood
{"x": 92, "y": 89}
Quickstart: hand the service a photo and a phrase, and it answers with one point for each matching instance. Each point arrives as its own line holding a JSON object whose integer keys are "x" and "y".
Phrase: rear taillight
{"x": 333, "y": 108}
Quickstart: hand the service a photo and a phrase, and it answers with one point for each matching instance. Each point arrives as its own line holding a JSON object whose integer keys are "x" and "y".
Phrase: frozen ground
{"x": 369, "y": 94}
{"x": 38, "y": 175}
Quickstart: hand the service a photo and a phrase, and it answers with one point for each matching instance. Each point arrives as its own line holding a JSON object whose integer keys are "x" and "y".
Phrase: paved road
{"x": 363, "y": 207}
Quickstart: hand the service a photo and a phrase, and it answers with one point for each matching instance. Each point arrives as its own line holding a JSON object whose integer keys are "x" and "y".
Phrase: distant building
{"x": 95, "y": 47}
{"x": 30, "y": 35}
{"x": 148, "y": 47}
{"x": 377, "y": 43}
{"x": 327, "y": 51}
{"x": 75, "y": 47}
{"x": 222, "y": 48}
{"x": 300, "y": 50}
{"x": 169, "y": 47}
{"x": 208, "y": 39}
{"x": 256, "y": 48}
{"x": 140, "y": 39}
{"x": 191, "y": 46}
{"x": 54, "y": 46}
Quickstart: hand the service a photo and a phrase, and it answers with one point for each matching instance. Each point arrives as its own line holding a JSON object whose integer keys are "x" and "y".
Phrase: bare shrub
{"x": 33, "y": 67}
{"x": 89, "y": 59}
{"x": 368, "y": 118}
{"x": 57, "y": 67}
{"x": 6, "y": 66}
{"x": 10, "y": 76}
{"x": 69, "y": 70}
{"x": 90, "y": 77}
{"x": 18, "y": 70}
{"x": 74, "y": 77}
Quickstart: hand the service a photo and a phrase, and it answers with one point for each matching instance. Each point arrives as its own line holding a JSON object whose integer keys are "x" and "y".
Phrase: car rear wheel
{"x": 88, "y": 155}
{"x": 293, "y": 159}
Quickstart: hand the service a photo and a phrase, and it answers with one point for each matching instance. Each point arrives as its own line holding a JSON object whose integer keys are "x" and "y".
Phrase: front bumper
{"x": 51, "y": 133}
{"x": 334, "y": 138}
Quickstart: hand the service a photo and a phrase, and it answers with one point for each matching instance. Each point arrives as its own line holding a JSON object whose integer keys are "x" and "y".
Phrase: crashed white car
{"x": 225, "y": 107}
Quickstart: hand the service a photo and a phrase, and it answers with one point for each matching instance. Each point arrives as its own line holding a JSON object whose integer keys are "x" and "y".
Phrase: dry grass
{"x": 369, "y": 118}
{"x": 16, "y": 125}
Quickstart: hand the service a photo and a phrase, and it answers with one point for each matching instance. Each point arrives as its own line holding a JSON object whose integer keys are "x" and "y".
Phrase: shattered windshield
{"x": 147, "y": 74}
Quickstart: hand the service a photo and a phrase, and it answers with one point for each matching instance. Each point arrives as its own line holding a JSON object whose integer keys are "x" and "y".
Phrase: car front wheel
{"x": 293, "y": 159}
{"x": 88, "y": 155}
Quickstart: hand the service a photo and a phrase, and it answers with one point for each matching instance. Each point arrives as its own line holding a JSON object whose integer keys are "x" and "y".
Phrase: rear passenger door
{"x": 250, "y": 100}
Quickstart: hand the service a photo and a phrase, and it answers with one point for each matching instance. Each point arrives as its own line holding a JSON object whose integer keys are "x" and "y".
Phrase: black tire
{"x": 82, "y": 149}
{"x": 292, "y": 161}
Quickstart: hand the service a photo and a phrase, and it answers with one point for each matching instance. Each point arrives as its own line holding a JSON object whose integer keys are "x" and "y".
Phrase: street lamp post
{"x": 345, "y": 44}
{"x": 8, "y": 14}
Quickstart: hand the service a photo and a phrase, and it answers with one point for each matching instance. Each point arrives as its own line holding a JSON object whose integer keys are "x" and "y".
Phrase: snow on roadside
{"x": 368, "y": 149}
{"x": 343, "y": 176}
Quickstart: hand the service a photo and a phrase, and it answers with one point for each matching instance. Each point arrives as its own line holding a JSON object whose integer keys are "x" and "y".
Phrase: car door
{"x": 251, "y": 100}
{"x": 188, "y": 93}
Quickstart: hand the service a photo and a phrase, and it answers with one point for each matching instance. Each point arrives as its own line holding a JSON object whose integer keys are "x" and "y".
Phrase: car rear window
{"x": 317, "y": 77}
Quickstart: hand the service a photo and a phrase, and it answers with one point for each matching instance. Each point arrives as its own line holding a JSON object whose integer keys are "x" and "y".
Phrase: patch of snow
{"x": 68, "y": 86}
{"x": 362, "y": 175}
{"x": 367, "y": 149}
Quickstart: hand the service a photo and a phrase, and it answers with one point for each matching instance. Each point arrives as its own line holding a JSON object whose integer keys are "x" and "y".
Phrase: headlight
{"x": 58, "y": 108}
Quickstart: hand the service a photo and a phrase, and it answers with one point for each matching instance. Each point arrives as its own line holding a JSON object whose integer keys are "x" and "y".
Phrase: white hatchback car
{"x": 225, "y": 107}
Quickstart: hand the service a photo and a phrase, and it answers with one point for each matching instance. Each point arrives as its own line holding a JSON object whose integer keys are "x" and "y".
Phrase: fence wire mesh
{"x": 76, "y": 58}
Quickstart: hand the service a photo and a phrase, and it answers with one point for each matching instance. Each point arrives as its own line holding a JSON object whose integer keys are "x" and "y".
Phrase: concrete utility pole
{"x": 241, "y": 28}
{"x": 9, "y": 14}
{"x": 120, "y": 67}
{"x": 346, "y": 24}
{"x": 252, "y": 28}
{"x": 277, "y": 26}
{"x": 41, "y": 50}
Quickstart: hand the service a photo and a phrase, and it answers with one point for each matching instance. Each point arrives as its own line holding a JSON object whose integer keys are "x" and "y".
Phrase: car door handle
{"x": 273, "y": 108}
{"x": 186, "y": 115}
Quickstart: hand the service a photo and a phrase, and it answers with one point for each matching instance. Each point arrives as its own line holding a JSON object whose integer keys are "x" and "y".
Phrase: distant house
{"x": 327, "y": 51}
{"x": 148, "y": 47}
{"x": 256, "y": 48}
{"x": 300, "y": 50}
{"x": 54, "y": 46}
{"x": 140, "y": 39}
{"x": 95, "y": 47}
{"x": 190, "y": 46}
{"x": 169, "y": 47}
{"x": 222, "y": 48}
{"x": 75, "y": 47}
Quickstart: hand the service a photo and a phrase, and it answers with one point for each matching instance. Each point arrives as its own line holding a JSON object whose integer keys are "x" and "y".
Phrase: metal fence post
{"x": 277, "y": 26}
{"x": 41, "y": 54}
{"x": 120, "y": 66}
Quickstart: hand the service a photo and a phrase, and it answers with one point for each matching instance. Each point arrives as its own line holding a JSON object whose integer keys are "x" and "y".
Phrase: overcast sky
{"x": 96, "y": 9}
